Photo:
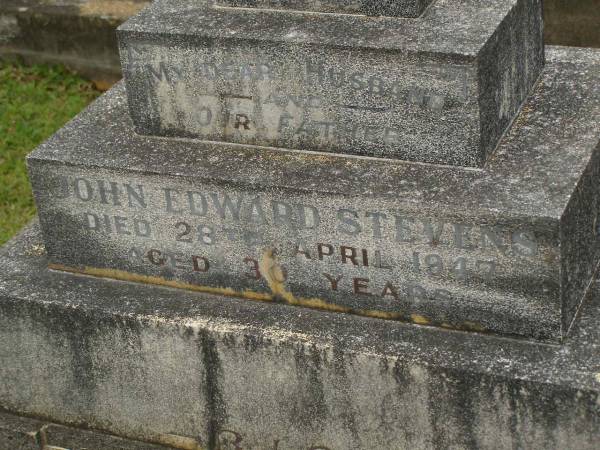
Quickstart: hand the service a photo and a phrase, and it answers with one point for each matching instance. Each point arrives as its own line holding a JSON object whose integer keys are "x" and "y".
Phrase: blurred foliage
{"x": 572, "y": 22}
{"x": 34, "y": 102}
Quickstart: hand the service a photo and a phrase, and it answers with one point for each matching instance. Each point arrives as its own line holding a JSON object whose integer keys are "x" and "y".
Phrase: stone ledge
{"x": 26, "y": 433}
{"x": 78, "y": 34}
{"x": 146, "y": 362}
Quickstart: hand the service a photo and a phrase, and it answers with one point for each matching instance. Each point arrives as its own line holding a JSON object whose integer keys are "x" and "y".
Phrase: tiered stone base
{"x": 194, "y": 371}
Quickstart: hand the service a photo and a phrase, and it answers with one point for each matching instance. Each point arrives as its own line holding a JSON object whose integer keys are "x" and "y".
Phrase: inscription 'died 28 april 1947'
{"x": 374, "y": 240}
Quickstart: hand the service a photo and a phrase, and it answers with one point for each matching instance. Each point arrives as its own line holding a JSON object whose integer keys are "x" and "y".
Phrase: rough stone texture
{"x": 442, "y": 88}
{"x": 398, "y": 8}
{"x": 508, "y": 249}
{"x": 566, "y": 22}
{"x": 159, "y": 364}
{"x": 25, "y": 433}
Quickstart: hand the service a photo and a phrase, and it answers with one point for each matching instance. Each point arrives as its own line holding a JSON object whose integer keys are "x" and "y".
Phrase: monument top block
{"x": 394, "y": 8}
{"x": 442, "y": 88}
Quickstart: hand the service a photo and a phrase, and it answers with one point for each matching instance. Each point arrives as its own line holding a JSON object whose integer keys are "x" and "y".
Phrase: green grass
{"x": 34, "y": 103}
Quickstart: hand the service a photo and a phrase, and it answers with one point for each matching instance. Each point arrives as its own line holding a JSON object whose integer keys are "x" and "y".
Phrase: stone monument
{"x": 316, "y": 225}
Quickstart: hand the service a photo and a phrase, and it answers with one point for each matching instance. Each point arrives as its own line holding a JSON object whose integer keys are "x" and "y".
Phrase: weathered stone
{"x": 442, "y": 88}
{"x": 26, "y": 433}
{"x": 509, "y": 249}
{"x": 399, "y": 8}
{"x": 79, "y": 34}
{"x": 154, "y": 363}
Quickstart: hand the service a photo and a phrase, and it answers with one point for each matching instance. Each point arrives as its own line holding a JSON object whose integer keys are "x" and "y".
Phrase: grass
{"x": 34, "y": 102}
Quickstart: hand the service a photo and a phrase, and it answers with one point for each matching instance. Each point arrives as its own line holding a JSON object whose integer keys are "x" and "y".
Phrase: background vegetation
{"x": 34, "y": 103}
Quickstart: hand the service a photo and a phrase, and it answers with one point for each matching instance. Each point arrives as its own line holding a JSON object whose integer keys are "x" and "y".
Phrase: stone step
{"x": 510, "y": 249}
{"x": 441, "y": 88}
{"x": 204, "y": 372}
{"x": 79, "y": 34}
{"x": 30, "y": 31}
{"x": 397, "y": 8}
{"x": 27, "y": 433}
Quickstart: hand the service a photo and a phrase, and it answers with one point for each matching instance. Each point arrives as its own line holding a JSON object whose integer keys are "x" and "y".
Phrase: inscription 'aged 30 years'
{"x": 211, "y": 231}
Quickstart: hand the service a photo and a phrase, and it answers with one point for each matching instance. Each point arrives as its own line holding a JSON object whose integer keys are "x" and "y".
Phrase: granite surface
{"x": 508, "y": 249}
{"x": 395, "y": 8}
{"x": 200, "y": 371}
{"x": 460, "y": 27}
{"x": 442, "y": 88}
{"x": 28, "y": 433}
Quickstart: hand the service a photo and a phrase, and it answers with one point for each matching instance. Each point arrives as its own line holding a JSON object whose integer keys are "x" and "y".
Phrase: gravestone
{"x": 440, "y": 88}
{"x": 319, "y": 225}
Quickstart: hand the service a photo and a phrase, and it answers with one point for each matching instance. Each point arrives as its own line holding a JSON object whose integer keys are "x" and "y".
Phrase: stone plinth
{"x": 26, "y": 433}
{"x": 442, "y": 88}
{"x": 197, "y": 371}
{"x": 510, "y": 249}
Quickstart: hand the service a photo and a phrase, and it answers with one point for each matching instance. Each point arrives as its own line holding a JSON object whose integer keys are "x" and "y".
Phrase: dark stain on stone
{"x": 87, "y": 334}
{"x": 213, "y": 373}
{"x": 341, "y": 359}
{"x": 188, "y": 332}
{"x": 452, "y": 399}
{"x": 520, "y": 398}
{"x": 515, "y": 419}
{"x": 83, "y": 333}
{"x": 252, "y": 343}
{"x": 384, "y": 365}
{"x": 546, "y": 407}
{"x": 310, "y": 410}
{"x": 229, "y": 341}
{"x": 404, "y": 383}
{"x": 465, "y": 390}
{"x": 81, "y": 341}
{"x": 402, "y": 375}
